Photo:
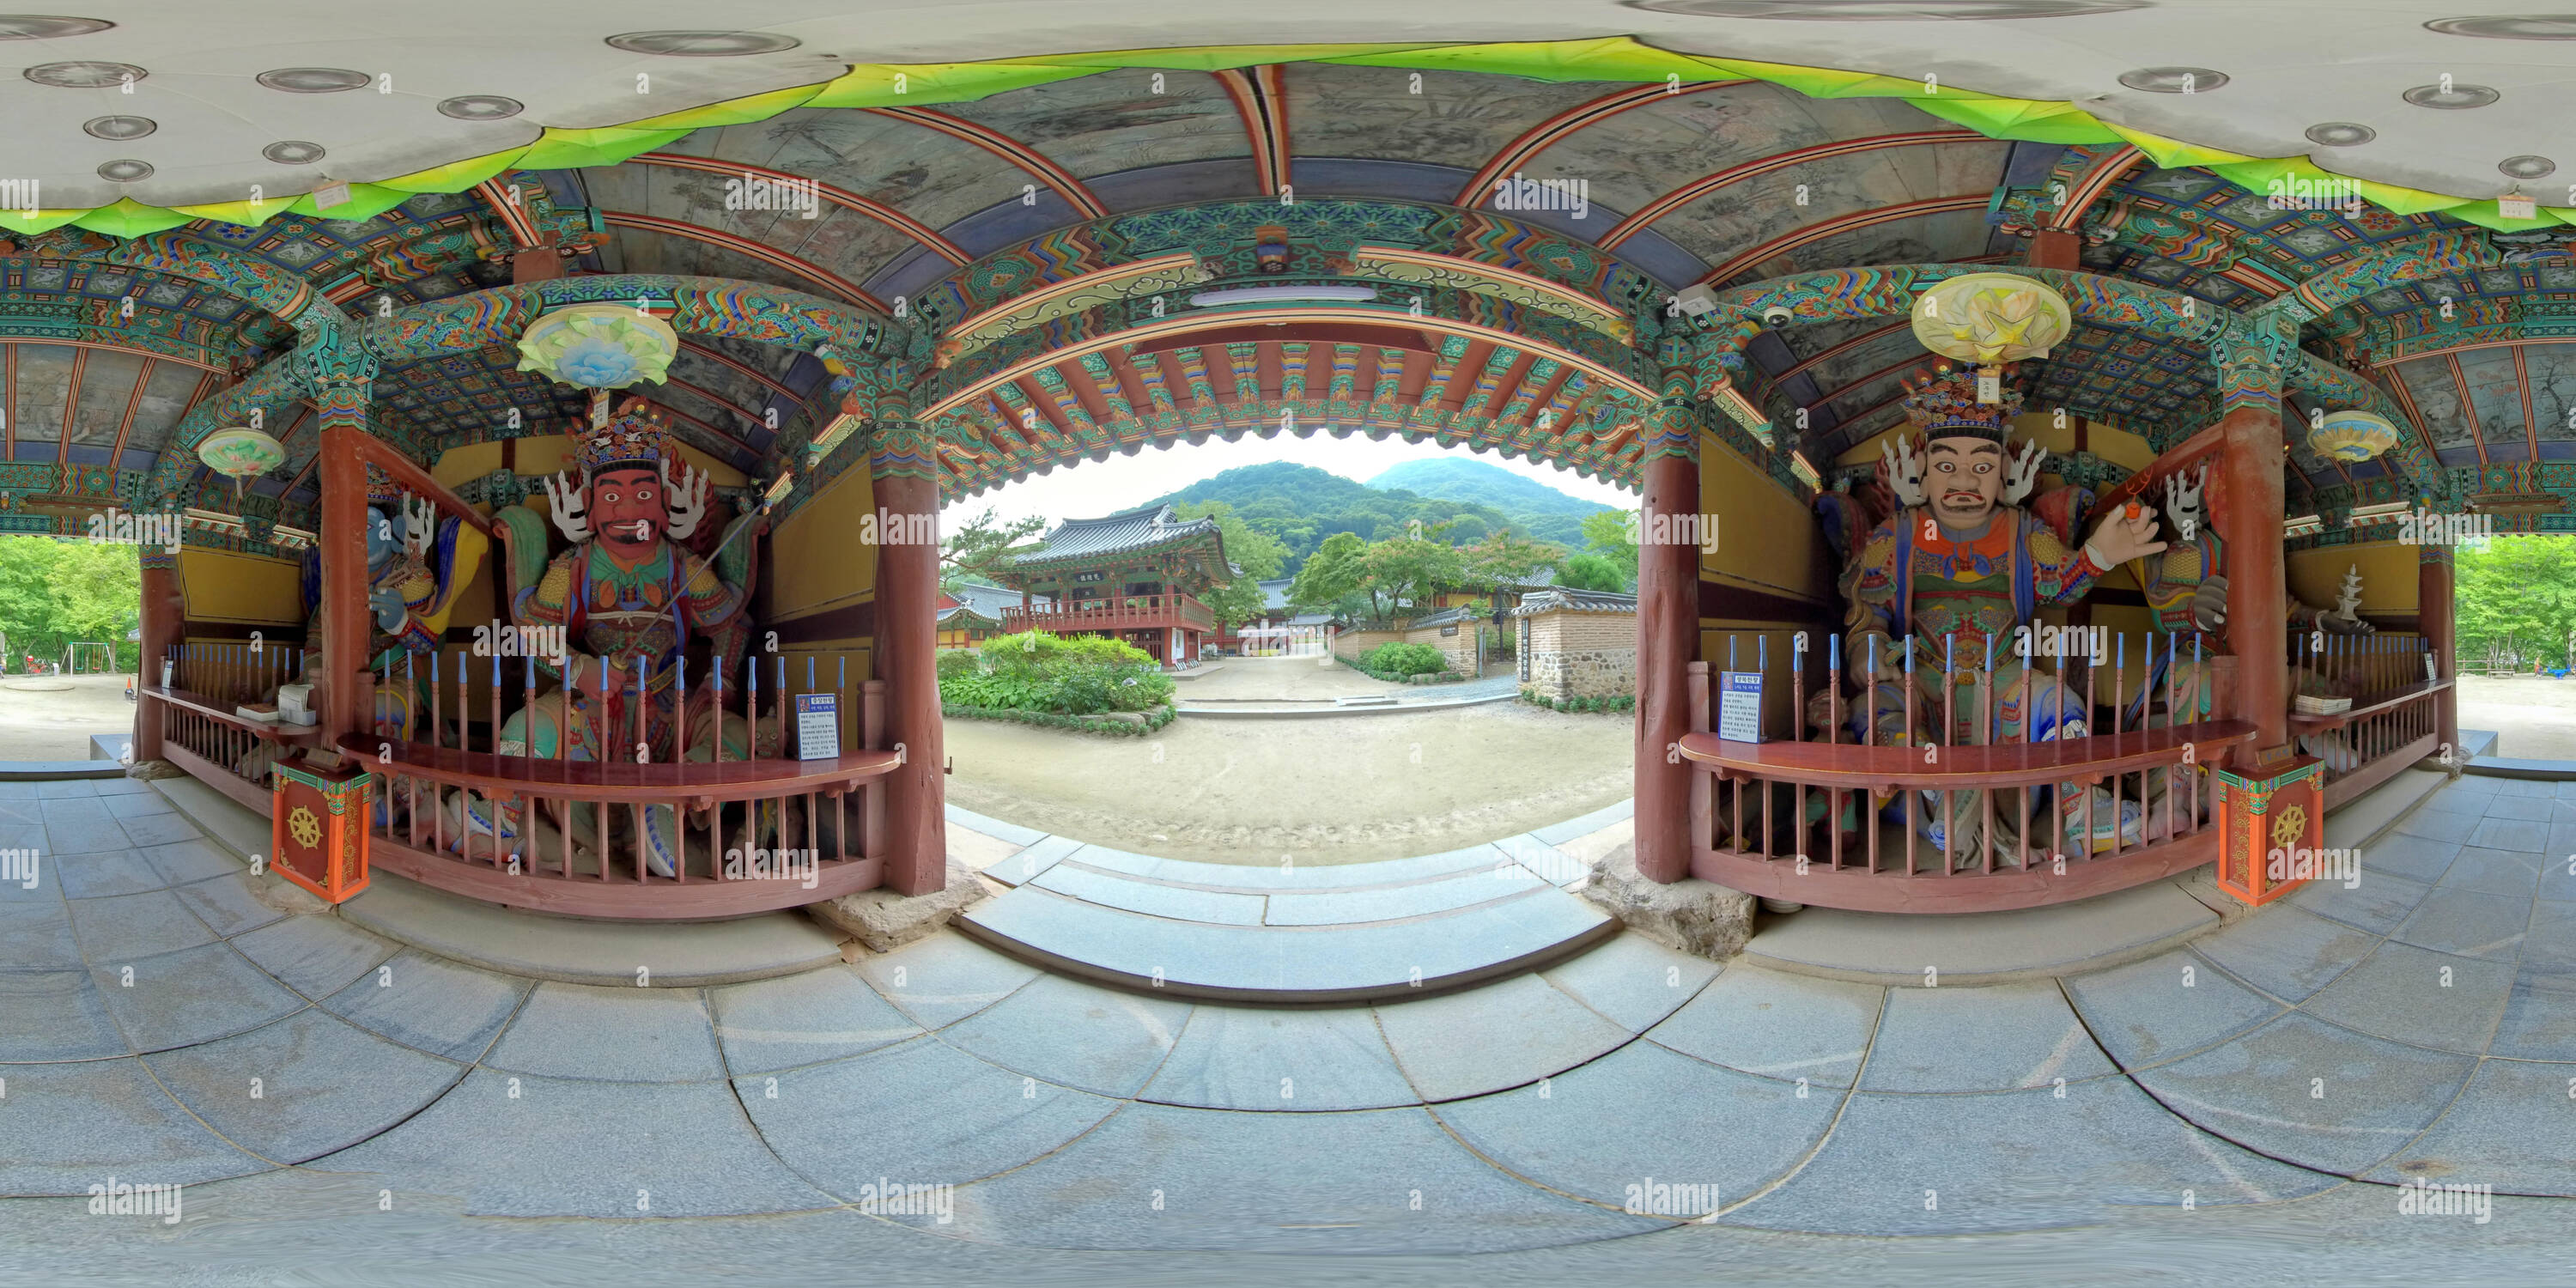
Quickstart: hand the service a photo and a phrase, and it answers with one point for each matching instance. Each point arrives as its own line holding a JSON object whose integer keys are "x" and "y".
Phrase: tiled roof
{"x": 989, "y": 601}
{"x": 1561, "y": 600}
{"x": 967, "y": 612}
{"x": 1444, "y": 617}
{"x": 1116, "y": 534}
{"x": 1274, "y": 592}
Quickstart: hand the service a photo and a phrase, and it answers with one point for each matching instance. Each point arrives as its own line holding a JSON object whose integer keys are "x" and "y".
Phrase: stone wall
{"x": 1350, "y": 645}
{"x": 1460, "y": 648}
{"x": 1582, "y": 655}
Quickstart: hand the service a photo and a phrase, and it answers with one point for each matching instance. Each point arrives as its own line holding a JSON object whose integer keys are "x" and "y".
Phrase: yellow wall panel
{"x": 2388, "y": 576}
{"x": 817, "y": 559}
{"x": 221, "y": 586}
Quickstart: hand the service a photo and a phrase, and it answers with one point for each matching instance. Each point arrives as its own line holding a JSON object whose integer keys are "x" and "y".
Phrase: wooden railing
{"x": 231, "y": 753}
{"x": 1808, "y": 818}
{"x": 1123, "y": 612}
{"x": 2395, "y": 717}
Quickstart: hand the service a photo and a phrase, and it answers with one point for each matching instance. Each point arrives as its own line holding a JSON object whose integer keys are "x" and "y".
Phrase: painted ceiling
{"x": 1726, "y": 182}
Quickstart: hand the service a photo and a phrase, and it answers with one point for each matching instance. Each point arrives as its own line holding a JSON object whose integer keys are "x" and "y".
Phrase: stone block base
{"x": 149, "y": 769}
{"x": 1689, "y": 915}
{"x": 883, "y": 920}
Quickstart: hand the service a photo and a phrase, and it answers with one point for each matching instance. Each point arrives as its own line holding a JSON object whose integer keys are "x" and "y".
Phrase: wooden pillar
{"x": 2056, "y": 248}
{"x": 164, "y": 619}
{"x": 2250, "y": 359}
{"x": 2436, "y": 616}
{"x": 1667, "y": 642}
{"x": 907, "y": 614}
{"x": 343, "y": 614}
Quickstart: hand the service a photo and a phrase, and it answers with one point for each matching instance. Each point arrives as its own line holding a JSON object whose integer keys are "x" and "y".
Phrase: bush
{"x": 1154, "y": 720}
{"x": 960, "y": 661}
{"x": 1615, "y": 705}
{"x": 1396, "y": 661}
{"x": 1042, "y": 673}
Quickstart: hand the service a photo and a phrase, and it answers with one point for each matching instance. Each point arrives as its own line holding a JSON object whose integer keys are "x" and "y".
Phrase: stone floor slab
{"x": 1633, "y": 980}
{"x": 2415, "y": 858}
{"x": 2511, "y": 834}
{"x": 126, "y": 927}
{"x": 944, "y": 978}
{"x": 826, "y": 1014}
{"x": 1105, "y": 1041}
{"x": 155, "y": 829}
{"x": 88, "y": 836}
{"x": 1485, "y": 1039}
{"x": 2550, "y": 943}
{"x": 2031, "y": 943}
{"x": 2376, "y": 904}
{"x": 54, "y": 1015}
{"x": 2470, "y": 924}
{"x": 2263, "y": 1090}
{"x": 71, "y": 1126}
{"x": 315, "y": 955}
{"x": 322, "y": 1085}
{"x": 1154, "y": 899}
{"x": 99, "y": 876}
{"x": 1777, "y": 1025}
{"x": 2440, "y": 825}
{"x": 190, "y": 996}
{"x": 951, "y": 1119}
{"x": 1729, "y": 1132}
{"x": 2518, "y": 805}
{"x": 2012, "y": 1160}
{"x": 1390, "y": 903}
{"x": 133, "y": 799}
{"x": 2154, "y": 1011}
{"x": 431, "y": 1004}
{"x": 36, "y": 932}
{"x": 2287, "y": 952}
{"x": 1041, "y": 854}
{"x": 230, "y": 904}
{"x": 2539, "y": 1019}
{"x": 2008, "y": 1037}
{"x": 573, "y": 1147}
{"x": 2510, "y": 1129}
{"x": 1280, "y": 1059}
{"x": 611, "y": 1035}
{"x": 2511, "y": 873}
{"x": 187, "y": 859}
{"x": 1338, "y": 1183}
{"x": 2414, "y": 995}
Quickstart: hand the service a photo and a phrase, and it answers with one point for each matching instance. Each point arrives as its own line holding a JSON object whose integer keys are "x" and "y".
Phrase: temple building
{"x": 1135, "y": 576}
{"x": 970, "y": 614}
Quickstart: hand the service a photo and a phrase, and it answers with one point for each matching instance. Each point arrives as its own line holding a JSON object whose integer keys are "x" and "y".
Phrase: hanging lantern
{"x": 599, "y": 346}
{"x": 239, "y": 453}
{"x": 1991, "y": 319}
{"x": 2352, "y": 436}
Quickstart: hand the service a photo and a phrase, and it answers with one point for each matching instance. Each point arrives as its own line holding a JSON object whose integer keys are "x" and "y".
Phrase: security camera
{"x": 1775, "y": 317}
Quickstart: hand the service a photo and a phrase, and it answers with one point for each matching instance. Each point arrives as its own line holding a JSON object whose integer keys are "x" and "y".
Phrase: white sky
{"x": 1093, "y": 488}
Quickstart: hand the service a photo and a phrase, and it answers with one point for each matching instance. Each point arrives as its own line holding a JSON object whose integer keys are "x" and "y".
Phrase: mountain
{"x": 1459, "y": 478}
{"x": 1302, "y": 505}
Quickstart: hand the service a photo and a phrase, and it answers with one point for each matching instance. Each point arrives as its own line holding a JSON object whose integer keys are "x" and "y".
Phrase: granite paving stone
{"x": 134, "y": 803}
{"x": 2550, "y": 943}
{"x": 158, "y": 829}
{"x": 2376, "y": 904}
{"x": 2149, "y": 1012}
{"x": 71, "y": 1126}
{"x": 1336, "y": 1183}
{"x": 1181, "y": 903}
{"x": 2519, "y": 806}
{"x": 1280, "y": 1059}
{"x": 1777, "y": 1025}
{"x": 65, "y": 789}
{"x": 102, "y": 875}
{"x": 2539, "y": 1019}
{"x": 431, "y": 1004}
{"x": 826, "y": 1014}
{"x": 2285, "y": 951}
{"x": 1504, "y": 1034}
{"x": 78, "y": 807}
{"x": 36, "y": 933}
{"x": 2012, "y": 1160}
{"x": 944, "y": 978}
{"x": 1633, "y": 980}
{"x": 961, "y": 1119}
{"x": 121, "y": 928}
{"x": 322, "y": 1084}
{"x": 2264, "y": 1091}
{"x": 190, "y": 996}
{"x": 1999, "y": 1038}
{"x": 1729, "y": 1131}
{"x": 2511, "y": 834}
{"x": 1024, "y": 866}
{"x": 1389, "y": 903}
{"x": 2439, "y": 825}
{"x": 2510, "y": 1129}
{"x": 2469, "y": 923}
{"x": 2415, "y": 858}
{"x": 107, "y": 787}
{"x": 229, "y": 904}
{"x": 2419, "y": 996}
{"x": 2525, "y": 787}
{"x": 315, "y": 955}
{"x": 2558, "y": 867}
{"x": 191, "y": 859}
{"x": 2505, "y": 872}
{"x": 611, "y": 1035}
{"x": 575, "y": 1147}
{"x": 54, "y": 1015}
{"x": 86, "y": 836}
{"x": 1101, "y": 1040}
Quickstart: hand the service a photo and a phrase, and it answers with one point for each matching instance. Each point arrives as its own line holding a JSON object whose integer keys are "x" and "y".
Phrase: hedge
{"x": 1618, "y": 703}
{"x": 1154, "y": 720}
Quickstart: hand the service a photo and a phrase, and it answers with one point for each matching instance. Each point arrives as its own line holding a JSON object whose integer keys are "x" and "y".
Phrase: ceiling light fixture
{"x": 2528, "y": 26}
{"x": 2451, "y": 97}
{"x": 2341, "y": 134}
{"x": 314, "y": 80}
{"x": 2527, "y": 167}
{"x": 37, "y": 26}
{"x": 85, "y": 75}
{"x": 125, "y": 171}
{"x": 293, "y": 152}
{"x": 118, "y": 128}
{"x": 480, "y": 107}
{"x": 703, "y": 44}
{"x": 2173, "y": 80}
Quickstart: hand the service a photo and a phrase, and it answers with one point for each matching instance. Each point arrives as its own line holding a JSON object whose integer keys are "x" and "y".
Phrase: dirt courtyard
{"x": 51, "y": 717}
{"x": 1274, "y": 679}
{"x": 1327, "y": 789}
{"x": 2534, "y": 716}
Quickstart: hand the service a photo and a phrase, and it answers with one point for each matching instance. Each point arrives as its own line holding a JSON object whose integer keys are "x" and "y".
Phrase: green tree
{"x": 1331, "y": 576}
{"x": 53, "y": 592}
{"x": 1255, "y": 555}
{"x": 1409, "y": 570}
{"x": 984, "y": 549}
{"x": 1612, "y": 535}
{"x": 1505, "y": 560}
{"x": 1591, "y": 572}
{"x": 2522, "y": 588}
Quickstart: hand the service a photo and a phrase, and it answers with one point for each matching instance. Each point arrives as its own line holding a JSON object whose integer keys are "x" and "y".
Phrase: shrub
{"x": 1396, "y": 661}
{"x": 1616, "y": 704}
{"x": 959, "y": 661}
{"x": 1060, "y": 675}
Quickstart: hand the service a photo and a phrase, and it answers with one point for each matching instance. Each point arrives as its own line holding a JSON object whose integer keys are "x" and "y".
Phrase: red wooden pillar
{"x": 1667, "y": 642}
{"x": 2056, "y": 248}
{"x": 2436, "y": 617}
{"x": 905, "y": 466}
{"x": 344, "y": 614}
{"x": 164, "y": 618}
{"x": 2252, "y": 461}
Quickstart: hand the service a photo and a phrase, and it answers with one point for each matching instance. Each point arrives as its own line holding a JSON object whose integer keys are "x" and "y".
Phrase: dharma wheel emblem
{"x": 307, "y": 829}
{"x": 2290, "y": 826}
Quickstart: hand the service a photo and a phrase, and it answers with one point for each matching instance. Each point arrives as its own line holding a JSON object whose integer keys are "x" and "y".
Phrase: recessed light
{"x": 37, "y": 26}
{"x": 1887, "y": 10}
{"x": 2341, "y": 134}
{"x": 119, "y": 128}
{"x": 85, "y": 75}
{"x": 2451, "y": 97}
{"x": 480, "y": 107}
{"x": 2173, "y": 80}
{"x": 314, "y": 80}
{"x": 703, "y": 44}
{"x": 125, "y": 171}
{"x": 2528, "y": 167}
{"x": 2528, "y": 26}
{"x": 292, "y": 152}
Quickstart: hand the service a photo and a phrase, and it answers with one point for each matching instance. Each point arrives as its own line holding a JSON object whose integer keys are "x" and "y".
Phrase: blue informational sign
{"x": 1739, "y": 706}
{"x": 818, "y": 726}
